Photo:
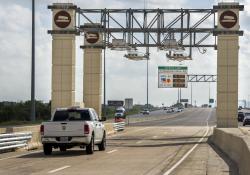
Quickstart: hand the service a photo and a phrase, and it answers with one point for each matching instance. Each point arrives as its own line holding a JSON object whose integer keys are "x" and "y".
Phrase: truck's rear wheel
{"x": 90, "y": 146}
{"x": 102, "y": 145}
{"x": 47, "y": 149}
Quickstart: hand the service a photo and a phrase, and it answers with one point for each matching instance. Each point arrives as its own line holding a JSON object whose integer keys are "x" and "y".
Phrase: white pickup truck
{"x": 71, "y": 127}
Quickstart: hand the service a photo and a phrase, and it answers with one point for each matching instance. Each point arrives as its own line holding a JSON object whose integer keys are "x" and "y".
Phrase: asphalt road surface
{"x": 173, "y": 144}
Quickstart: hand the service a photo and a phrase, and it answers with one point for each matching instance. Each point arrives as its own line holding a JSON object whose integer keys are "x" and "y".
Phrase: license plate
{"x": 63, "y": 139}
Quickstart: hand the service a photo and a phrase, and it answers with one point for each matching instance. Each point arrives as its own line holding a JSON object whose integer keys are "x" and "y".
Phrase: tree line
{"x": 21, "y": 111}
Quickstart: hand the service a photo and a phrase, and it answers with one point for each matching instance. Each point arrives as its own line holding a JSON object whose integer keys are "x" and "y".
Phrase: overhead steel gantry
{"x": 157, "y": 26}
{"x": 151, "y": 27}
{"x": 202, "y": 78}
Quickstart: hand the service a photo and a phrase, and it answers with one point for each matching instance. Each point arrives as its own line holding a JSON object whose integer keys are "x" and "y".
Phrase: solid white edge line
{"x": 112, "y": 151}
{"x": 58, "y": 169}
{"x": 190, "y": 151}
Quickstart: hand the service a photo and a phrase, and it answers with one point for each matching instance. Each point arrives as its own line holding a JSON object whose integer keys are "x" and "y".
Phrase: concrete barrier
{"x": 35, "y": 142}
{"x": 236, "y": 144}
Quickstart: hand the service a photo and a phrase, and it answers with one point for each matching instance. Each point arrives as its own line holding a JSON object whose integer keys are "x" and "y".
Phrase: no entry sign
{"x": 62, "y": 19}
{"x": 228, "y": 19}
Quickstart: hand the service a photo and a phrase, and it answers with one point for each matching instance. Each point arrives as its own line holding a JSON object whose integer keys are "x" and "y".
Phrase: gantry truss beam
{"x": 155, "y": 26}
{"x": 202, "y": 78}
{"x": 152, "y": 27}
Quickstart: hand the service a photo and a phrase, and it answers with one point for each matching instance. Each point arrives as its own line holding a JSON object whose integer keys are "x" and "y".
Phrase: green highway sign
{"x": 172, "y": 76}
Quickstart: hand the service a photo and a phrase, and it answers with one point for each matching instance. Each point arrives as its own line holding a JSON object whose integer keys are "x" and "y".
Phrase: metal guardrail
{"x": 119, "y": 126}
{"x": 14, "y": 140}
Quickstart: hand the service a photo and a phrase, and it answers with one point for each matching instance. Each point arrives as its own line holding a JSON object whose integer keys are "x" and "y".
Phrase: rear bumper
{"x": 85, "y": 140}
{"x": 246, "y": 122}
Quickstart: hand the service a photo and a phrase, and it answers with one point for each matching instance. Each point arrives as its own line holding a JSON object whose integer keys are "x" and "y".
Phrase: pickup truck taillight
{"x": 86, "y": 129}
{"x": 42, "y": 129}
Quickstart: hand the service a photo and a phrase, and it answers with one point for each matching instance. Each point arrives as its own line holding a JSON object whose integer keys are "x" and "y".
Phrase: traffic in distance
{"x": 244, "y": 116}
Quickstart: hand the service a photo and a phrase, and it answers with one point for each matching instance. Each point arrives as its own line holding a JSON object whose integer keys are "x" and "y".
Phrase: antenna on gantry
{"x": 145, "y": 4}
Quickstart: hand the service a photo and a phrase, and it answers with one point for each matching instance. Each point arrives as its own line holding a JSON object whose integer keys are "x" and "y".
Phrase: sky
{"x": 15, "y": 56}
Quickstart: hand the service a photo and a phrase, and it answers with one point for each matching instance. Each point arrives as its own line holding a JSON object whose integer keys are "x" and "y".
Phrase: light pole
{"x": 104, "y": 81}
{"x": 248, "y": 101}
{"x": 191, "y": 94}
{"x": 208, "y": 93}
{"x": 180, "y": 95}
{"x": 33, "y": 106}
{"x": 147, "y": 55}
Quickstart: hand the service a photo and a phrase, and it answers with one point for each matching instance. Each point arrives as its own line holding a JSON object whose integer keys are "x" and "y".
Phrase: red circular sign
{"x": 92, "y": 37}
{"x": 62, "y": 19}
{"x": 228, "y": 19}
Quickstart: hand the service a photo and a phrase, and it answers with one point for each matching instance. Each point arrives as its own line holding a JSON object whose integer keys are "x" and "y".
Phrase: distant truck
{"x": 71, "y": 127}
{"x": 120, "y": 112}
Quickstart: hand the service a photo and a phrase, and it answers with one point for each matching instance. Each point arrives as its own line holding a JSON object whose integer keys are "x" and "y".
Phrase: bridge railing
{"x": 119, "y": 126}
{"x": 14, "y": 140}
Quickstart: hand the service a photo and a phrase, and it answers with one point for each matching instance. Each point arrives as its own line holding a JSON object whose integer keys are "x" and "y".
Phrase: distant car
{"x": 179, "y": 109}
{"x": 169, "y": 110}
{"x": 246, "y": 120}
{"x": 241, "y": 116}
{"x": 145, "y": 112}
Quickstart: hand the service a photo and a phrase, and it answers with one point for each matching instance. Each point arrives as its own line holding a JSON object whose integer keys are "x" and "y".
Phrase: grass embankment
{"x": 18, "y": 123}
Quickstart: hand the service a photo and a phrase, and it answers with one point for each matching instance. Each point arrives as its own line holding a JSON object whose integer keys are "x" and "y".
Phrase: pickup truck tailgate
{"x": 63, "y": 128}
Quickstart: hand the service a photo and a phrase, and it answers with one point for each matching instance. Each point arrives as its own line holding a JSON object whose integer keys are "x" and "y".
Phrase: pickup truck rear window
{"x": 77, "y": 115}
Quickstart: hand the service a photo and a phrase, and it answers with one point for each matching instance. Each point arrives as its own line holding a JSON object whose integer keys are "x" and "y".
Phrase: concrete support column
{"x": 227, "y": 67}
{"x": 63, "y": 55}
{"x": 92, "y": 80}
{"x": 227, "y": 84}
{"x": 63, "y": 71}
{"x": 92, "y": 95}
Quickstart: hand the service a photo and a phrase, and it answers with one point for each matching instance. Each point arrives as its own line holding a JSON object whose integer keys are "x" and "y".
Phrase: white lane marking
{"x": 112, "y": 151}
{"x": 20, "y": 155}
{"x": 129, "y": 132}
{"x": 190, "y": 151}
{"x": 58, "y": 169}
{"x": 138, "y": 142}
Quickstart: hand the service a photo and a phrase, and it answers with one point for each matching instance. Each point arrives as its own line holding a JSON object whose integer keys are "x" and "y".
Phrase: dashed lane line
{"x": 58, "y": 169}
{"x": 112, "y": 151}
